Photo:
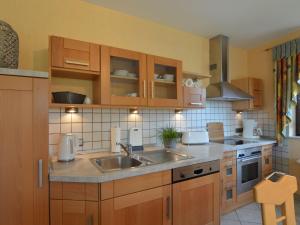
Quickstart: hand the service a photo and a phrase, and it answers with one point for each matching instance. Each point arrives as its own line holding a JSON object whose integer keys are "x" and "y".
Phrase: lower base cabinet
{"x": 196, "y": 201}
{"x": 69, "y": 212}
{"x": 141, "y": 208}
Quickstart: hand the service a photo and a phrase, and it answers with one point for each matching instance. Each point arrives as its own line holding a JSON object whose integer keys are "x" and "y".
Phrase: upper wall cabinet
{"x": 164, "y": 82}
{"x": 124, "y": 80}
{"x": 255, "y": 88}
{"x": 74, "y": 67}
{"x": 73, "y": 54}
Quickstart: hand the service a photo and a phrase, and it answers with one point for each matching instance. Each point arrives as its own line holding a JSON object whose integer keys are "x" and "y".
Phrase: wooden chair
{"x": 278, "y": 191}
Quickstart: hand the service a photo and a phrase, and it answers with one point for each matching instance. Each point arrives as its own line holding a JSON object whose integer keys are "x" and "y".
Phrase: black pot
{"x": 67, "y": 97}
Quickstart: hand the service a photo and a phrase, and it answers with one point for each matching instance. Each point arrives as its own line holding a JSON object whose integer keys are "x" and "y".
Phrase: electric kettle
{"x": 67, "y": 147}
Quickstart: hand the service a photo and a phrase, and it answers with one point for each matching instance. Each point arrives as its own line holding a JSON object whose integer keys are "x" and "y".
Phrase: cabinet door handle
{"x": 169, "y": 208}
{"x": 144, "y": 88}
{"x": 73, "y": 62}
{"x": 90, "y": 220}
{"x": 152, "y": 89}
{"x": 40, "y": 173}
{"x": 197, "y": 103}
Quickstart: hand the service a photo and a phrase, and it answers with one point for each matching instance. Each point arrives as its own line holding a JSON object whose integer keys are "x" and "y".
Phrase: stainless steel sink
{"x": 164, "y": 156}
{"x": 108, "y": 164}
{"x": 116, "y": 163}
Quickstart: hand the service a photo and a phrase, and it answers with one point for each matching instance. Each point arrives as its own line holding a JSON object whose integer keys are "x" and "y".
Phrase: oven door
{"x": 248, "y": 173}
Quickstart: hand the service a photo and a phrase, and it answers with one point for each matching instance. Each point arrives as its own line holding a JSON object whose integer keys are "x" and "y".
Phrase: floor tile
{"x": 248, "y": 215}
{"x": 231, "y": 216}
{"x": 230, "y": 222}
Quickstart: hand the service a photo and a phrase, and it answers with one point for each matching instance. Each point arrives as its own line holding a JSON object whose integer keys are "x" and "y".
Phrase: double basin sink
{"x": 121, "y": 162}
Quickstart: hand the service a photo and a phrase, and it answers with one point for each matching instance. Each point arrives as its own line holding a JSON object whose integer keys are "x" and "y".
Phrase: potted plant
{"x": 169, "y": 137}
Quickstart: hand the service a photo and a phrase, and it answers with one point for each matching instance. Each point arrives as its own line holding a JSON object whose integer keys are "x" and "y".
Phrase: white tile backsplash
{"x": 93, "y": 125}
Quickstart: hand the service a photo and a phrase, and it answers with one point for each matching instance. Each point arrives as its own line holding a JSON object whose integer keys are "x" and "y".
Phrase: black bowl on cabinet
{"x": 67, "y": 97}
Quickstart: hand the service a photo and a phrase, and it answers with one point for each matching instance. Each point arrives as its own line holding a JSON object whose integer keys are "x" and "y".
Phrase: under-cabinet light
{"x": 178, "y": 111}
{"x": 133, "y": 111}
{"x": 71, "y": 110}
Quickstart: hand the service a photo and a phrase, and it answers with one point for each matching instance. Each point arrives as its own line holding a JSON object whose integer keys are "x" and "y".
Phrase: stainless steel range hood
{"x": 220, "y": 89}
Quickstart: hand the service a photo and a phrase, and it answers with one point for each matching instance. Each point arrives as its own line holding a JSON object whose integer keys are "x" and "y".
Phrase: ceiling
{"x": 248, "y": 23}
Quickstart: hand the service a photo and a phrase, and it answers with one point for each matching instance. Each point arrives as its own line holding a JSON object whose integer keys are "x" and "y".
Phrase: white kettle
{"x": 67, "y": 147}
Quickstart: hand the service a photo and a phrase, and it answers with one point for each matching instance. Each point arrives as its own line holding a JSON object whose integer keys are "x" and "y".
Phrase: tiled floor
{"x": 251, "y": 215}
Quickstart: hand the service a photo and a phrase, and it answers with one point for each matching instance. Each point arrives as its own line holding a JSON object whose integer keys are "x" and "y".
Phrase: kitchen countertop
{"x": 83, "y": 170}
{"x": 23, "y": 73}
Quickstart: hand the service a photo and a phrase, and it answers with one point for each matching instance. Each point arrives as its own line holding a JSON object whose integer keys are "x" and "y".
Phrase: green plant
{"x": 168, "y": 134}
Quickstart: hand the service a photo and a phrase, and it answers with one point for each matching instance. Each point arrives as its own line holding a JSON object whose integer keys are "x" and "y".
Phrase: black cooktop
{"x": 233, "y": 142}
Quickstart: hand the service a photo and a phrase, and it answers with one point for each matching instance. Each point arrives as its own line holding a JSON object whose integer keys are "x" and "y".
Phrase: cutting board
{"x": 215, "y": 131}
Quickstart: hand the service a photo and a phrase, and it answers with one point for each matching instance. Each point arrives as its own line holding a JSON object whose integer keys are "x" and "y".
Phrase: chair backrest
{"x": 280, "y": 193}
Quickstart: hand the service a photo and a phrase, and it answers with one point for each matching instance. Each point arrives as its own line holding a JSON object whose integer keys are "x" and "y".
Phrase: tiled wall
{"x": 93, "y": 125}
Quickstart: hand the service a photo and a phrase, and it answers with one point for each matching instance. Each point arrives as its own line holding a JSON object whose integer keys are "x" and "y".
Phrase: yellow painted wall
{"x": 260, "y": 65}
{"x": 34, "y": 20}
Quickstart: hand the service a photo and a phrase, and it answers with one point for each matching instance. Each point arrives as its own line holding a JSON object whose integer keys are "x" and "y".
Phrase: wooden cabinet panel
{"x": 228, "y": 170}
{"x": 23, "y": 141}
{"x": 116, "y": 89}
{"x": 74, "y": 54}
{"x": 266, "y": 160}
{"x": 69, "y": 212}
{"x": 142, "y": 208}
{"x": 134, "y": 184}
{"x": 229, "y": 196}
{"x": 160, "y": 93}
{"x": 74, "y": 191}
{"x": 196, "y": 201}
{"x": 252, "y": 86}
{"x": 194, "y": 97}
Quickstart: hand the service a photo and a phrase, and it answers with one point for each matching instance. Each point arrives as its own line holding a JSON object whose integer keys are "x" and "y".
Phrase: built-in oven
{"x": 248, "y": 169}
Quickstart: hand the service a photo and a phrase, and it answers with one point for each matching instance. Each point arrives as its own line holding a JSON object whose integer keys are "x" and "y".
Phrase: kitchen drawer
{"x": 73, "y": 54}
{"x": 228, "y": 170}
{"x": 229, "y": 196}
{"x": 130, "y": 185}
{"x": 229, "y": 155}
{"x": 74, "y": 191}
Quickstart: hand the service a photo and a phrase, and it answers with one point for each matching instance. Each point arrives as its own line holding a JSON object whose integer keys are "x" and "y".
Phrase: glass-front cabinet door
{"x": 164, "y": 82}
{"x": 123, "y": 77}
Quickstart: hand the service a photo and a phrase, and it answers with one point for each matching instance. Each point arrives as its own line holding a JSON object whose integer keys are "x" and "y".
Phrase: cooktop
{"x": 233, "y": 141}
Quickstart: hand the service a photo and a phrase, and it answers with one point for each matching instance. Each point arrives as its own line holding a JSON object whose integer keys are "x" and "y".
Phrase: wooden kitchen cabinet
{"x": 252, "y": 86}
{"x": 121, "y": 89}
{"x": 24, "y": 147}
{"x": 228, "y": 181}
{"x": 266, "y": 160}
{"x": 147, "y": 207}
{"x": 194, "y": 97}
{"x": 163, "y": 93}
{"x": 74, "y": 204}
{"x": 197, "y": 201}
{"x": 73, "y": 54}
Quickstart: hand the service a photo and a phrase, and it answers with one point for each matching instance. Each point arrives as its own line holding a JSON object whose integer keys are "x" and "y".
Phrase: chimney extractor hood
{"x": 220, "y": 89}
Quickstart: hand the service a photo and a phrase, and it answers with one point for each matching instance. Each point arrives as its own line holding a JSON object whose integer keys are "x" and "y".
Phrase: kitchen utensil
{"x": 195, "y": 137}
{"x": 169, "y": 77}
{"x": 249, "y": 128}
{"x": 67, "y": 147}
{"x": 135, "y": 139}
{"x": 68, "y": 97}
{"x": 189, "y": 83}
{"x": 87, "y": 100}
{"x": 115, "y": 139}
{"x": 215, "y": 131}
{"x": 134, "y": 94}
{"x": 120, "y": 72}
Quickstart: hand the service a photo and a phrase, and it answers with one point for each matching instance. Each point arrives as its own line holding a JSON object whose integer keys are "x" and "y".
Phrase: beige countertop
{"x": 83, "y": 170}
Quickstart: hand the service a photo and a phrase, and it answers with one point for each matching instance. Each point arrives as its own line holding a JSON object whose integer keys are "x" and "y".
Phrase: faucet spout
{"x": 127, "y": 149}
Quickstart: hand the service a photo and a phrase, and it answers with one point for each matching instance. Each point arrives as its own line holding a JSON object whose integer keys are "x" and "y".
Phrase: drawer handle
{"x": 40, "y": 173}
{"x": 73, "y": 62}
{"x": 196, "y": 103}
{"x": 169, "y": 208}
{"x": 144, "y": 88}
{"x": 152, "y": 89}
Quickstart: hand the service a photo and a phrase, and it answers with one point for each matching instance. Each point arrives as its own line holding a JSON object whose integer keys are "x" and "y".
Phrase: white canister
{"x": 115, "y": 138}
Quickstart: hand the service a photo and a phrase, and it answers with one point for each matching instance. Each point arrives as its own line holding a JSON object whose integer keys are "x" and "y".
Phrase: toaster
{"x": 195, "y": 137}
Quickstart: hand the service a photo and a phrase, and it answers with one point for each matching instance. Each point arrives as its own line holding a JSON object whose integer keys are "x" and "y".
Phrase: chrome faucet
{"x": 127, "y": 149}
